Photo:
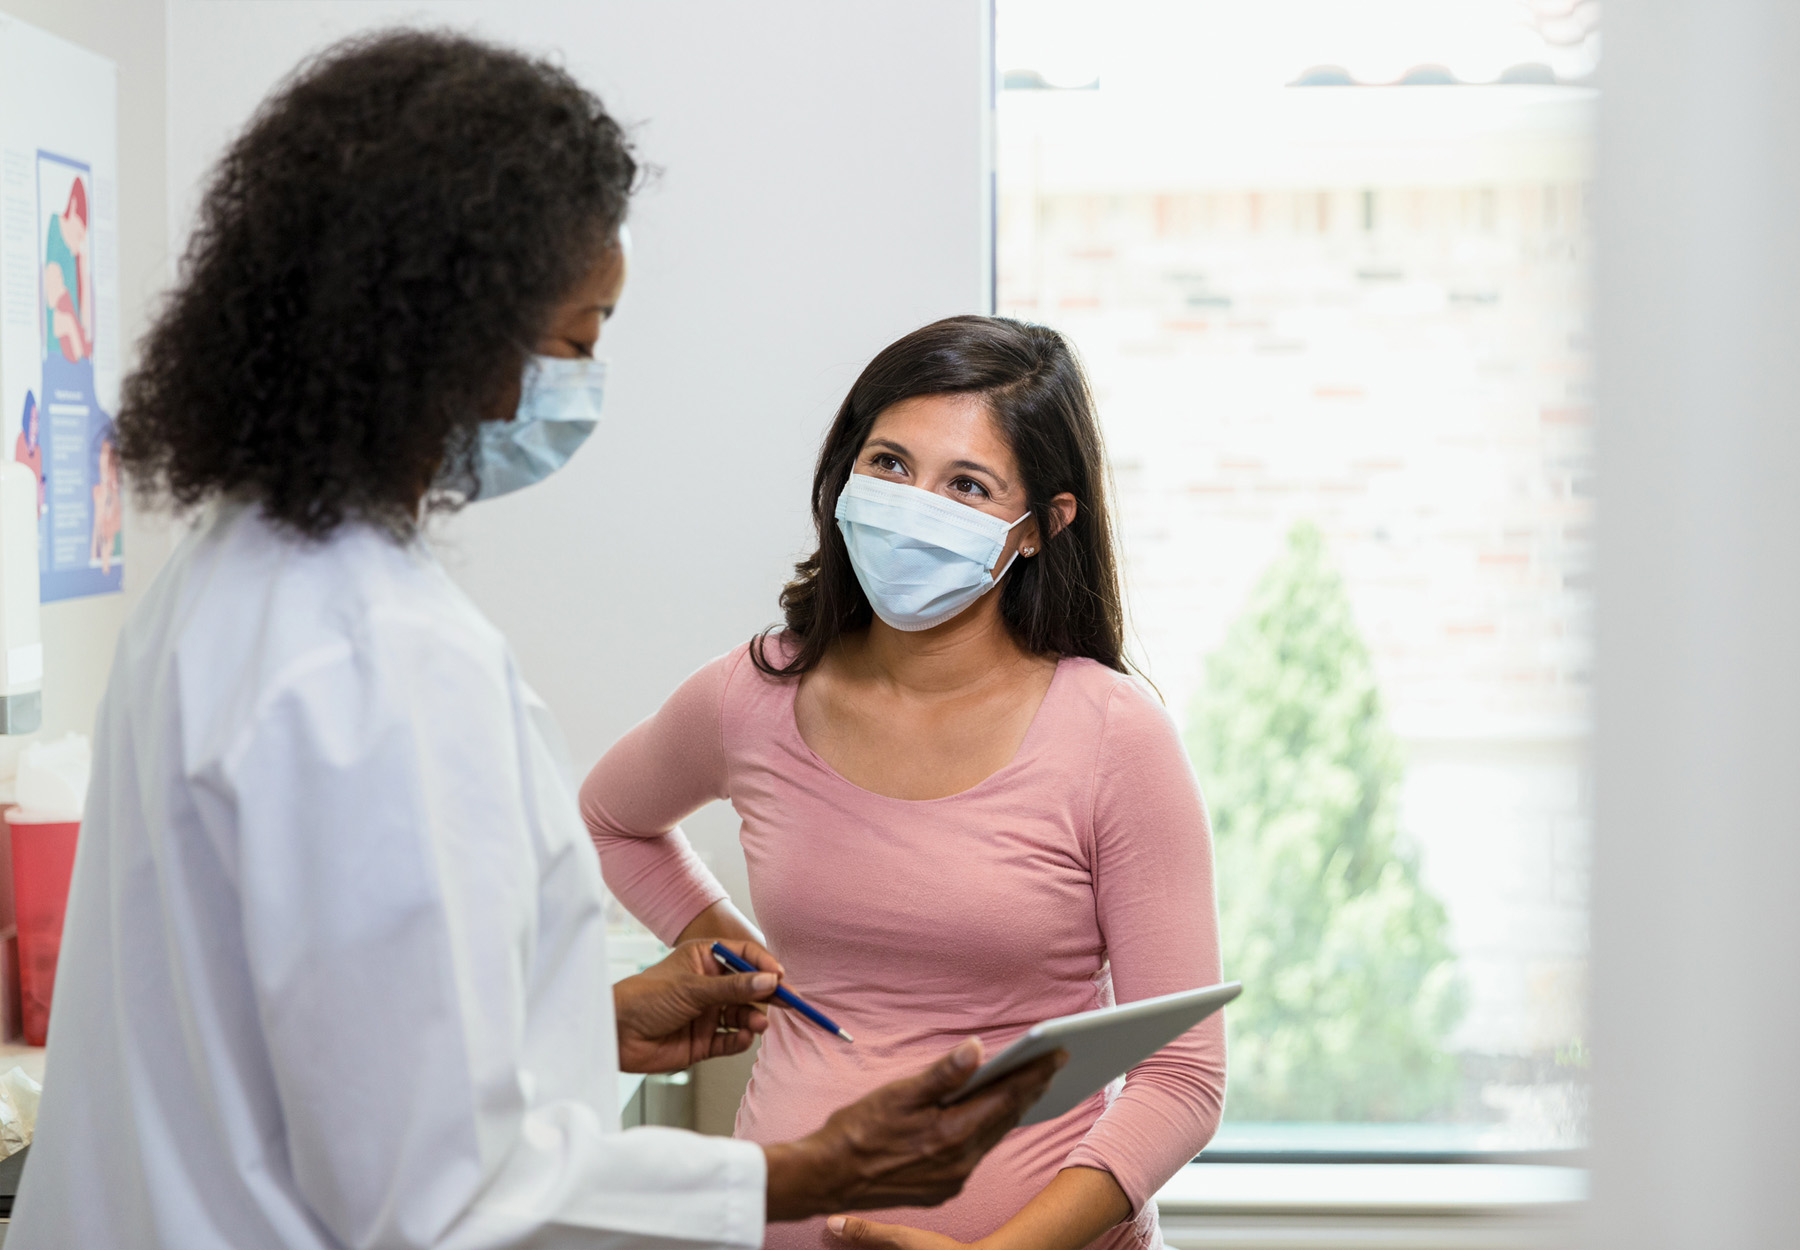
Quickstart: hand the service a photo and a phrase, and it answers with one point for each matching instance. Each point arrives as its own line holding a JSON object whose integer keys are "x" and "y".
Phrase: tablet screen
{"x": 1102, "y": 1045}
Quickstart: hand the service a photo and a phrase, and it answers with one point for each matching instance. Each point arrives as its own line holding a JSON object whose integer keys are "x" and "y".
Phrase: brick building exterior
{"x": 1379, "y": 325}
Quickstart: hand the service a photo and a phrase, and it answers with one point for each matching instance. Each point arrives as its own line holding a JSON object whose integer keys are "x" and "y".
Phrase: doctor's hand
{"x": 896, "y": 1147}
{"x": 687, "y": 1008}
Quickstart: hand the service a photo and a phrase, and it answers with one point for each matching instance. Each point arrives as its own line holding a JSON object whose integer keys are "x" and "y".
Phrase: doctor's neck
{"x": 966, "y": 651}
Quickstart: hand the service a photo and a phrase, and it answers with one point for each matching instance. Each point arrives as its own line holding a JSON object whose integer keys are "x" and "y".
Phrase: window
{"x": 1327, "y": 263}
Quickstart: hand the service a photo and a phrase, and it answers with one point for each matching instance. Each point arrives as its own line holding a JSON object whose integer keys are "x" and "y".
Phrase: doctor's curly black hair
{"x": 375, "y": 256}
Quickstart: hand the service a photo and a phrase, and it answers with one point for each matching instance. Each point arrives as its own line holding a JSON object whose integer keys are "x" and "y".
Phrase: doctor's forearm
{"x": 1074, "y": 1208}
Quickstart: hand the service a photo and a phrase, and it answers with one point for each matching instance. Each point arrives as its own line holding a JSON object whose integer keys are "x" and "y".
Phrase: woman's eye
{"x": 887, "y": 463}
{"x": 968, "y": 486}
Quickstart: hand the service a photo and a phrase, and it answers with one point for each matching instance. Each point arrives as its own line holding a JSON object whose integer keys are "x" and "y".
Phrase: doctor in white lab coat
{"x": 334, "y": 971}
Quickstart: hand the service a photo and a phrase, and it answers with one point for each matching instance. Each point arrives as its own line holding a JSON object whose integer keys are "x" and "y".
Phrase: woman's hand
{"x": 687, "y": 1008}
{"x": 859, "y": 1232}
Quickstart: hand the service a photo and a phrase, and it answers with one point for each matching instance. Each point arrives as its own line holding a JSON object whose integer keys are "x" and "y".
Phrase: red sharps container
{"x": 43, "y": 857}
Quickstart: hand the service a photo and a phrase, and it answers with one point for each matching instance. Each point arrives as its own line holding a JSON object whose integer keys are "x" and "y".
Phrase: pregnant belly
{"x": 801, "y": 1077}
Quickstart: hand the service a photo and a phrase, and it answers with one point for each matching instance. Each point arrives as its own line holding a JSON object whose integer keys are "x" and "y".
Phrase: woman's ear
{"x": 1062, "y": 511}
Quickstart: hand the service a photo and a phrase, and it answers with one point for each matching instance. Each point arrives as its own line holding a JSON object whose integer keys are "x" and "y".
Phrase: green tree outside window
{"x": 1351, "y": 988}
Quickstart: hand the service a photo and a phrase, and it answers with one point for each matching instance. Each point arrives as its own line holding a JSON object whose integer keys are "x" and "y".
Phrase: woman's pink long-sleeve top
{"x": 1078, "y": 875}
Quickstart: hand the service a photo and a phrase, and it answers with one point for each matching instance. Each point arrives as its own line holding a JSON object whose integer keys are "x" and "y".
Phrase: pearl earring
{"x": 1031, "y": 551}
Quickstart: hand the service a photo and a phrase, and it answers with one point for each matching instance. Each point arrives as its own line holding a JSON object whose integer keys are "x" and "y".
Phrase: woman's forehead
{"x": 945, "y": 427}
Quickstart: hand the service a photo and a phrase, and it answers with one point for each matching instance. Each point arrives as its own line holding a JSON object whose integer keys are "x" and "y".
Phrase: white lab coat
{"x": 334, "y": 970}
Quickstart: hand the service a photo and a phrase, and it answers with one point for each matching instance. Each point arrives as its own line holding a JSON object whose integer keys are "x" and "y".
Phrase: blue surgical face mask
{"x": 559, "y": 405}
{"x": 920, "y": 558}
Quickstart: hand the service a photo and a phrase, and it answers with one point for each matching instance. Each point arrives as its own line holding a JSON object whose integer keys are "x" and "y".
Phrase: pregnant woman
{"x": 960, "y": 815}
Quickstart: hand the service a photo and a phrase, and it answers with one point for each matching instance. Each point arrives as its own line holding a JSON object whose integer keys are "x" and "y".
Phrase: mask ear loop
{"x": 1002, "y": 573}
{"x": 994, "y": 580}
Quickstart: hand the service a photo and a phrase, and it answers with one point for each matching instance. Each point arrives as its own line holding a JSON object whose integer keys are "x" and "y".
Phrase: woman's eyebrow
{"x": 888, "y": 443}
{"x": 972, "y": 466}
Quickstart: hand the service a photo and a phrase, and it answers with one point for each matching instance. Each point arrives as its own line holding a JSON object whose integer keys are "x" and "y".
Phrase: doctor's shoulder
{"x": 364, "y": 584}
{"x": 265, "y": 609}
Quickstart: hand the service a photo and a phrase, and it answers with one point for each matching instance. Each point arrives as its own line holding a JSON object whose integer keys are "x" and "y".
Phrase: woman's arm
{"x": 657, "y": 774}
{"x": 721, "y": 920}
{"x": 1074, "y": 1208}
{"x": 1155, "y": 901}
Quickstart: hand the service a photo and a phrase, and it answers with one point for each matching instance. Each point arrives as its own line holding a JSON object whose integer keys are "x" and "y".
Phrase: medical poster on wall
{"x": 59, "y": 313}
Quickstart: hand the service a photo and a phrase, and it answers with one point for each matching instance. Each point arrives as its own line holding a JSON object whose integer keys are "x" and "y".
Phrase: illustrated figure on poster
{"x": 28, "y": 448}
{"x": 109, "y": 503}
{"x": 82, "y": 521}
{"x": 68, "y": 273}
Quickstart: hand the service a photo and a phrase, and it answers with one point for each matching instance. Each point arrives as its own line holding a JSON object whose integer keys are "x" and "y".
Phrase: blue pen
{"x": 724, "y": 955}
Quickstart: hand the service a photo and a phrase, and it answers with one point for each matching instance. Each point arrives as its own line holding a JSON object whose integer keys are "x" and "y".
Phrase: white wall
{"x": 1696, "y": 920}
{"x": 822, "y": 192}
{"x": 79, "y": 633}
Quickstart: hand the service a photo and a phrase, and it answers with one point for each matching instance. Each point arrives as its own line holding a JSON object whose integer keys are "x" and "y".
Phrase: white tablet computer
{"x": 1101, "y": 1044}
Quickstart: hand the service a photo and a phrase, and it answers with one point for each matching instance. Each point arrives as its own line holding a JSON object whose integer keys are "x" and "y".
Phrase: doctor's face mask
{"x": 559, "y": 406}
